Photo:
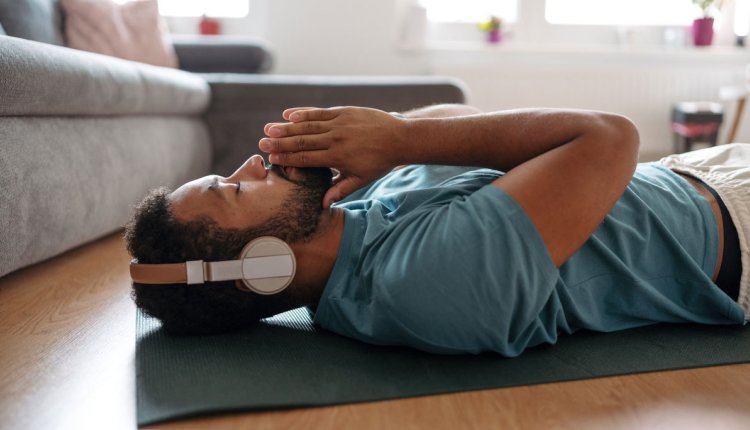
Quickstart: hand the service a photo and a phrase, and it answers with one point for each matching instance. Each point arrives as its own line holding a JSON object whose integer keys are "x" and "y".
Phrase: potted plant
{"x": 703, "y": 27}
{"x": 493, "y": 29}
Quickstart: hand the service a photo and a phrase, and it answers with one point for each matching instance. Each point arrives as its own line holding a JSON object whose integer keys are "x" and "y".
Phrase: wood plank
{"x": 67, "y": 335}
{"x": 67, "y": 340}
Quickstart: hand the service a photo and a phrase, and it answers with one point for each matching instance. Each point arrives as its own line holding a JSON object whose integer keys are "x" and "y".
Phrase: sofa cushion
{"x": 41, "y": 79}
{"x": 39, "y": 20}
{"x": 133, "y": 30}
{"x": 222, "y": 54}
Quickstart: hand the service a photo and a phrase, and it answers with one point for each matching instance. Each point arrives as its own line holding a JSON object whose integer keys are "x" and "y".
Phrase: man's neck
{"x": 316, "y": 258}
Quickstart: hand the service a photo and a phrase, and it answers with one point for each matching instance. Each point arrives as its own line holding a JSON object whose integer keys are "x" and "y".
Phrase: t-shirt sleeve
{"x": 471, "y": 275}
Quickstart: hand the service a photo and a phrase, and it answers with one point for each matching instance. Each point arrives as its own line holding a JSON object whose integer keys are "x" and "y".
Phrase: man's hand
{"x": 358, "y": 142}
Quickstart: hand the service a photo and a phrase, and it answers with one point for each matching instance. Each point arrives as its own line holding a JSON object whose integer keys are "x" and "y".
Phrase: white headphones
{"x": 266, "y": 266}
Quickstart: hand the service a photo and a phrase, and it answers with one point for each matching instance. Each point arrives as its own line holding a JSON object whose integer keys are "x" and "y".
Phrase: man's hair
{"x": 154, "y": 236}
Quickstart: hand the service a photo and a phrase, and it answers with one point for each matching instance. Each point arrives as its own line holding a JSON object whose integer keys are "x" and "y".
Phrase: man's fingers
{"x": 299, "y": 159}
{"x": 289, "y": 111}
{"x": 294, "y": 129}
{"x": 269, "y": 125}
{"x": 314, "y": 114}
{"x": 293, "y": 143}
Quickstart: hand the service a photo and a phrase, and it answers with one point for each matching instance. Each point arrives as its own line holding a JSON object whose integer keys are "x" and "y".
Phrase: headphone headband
{"x": 266, "y": 266}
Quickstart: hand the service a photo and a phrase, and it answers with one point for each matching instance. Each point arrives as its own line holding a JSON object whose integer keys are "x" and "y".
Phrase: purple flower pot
{"x": 494, "y": 36}
{"x": 703, "y": 31}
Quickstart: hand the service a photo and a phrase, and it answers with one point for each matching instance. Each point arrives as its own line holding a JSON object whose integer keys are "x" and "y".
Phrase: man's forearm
{"x": 500, "y": 140}
{"x": 441, "y": 111}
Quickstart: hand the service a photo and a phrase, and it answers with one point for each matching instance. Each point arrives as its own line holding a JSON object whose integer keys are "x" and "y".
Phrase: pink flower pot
{"x": 494, "y": 36}
{"x": 703, "y": 31}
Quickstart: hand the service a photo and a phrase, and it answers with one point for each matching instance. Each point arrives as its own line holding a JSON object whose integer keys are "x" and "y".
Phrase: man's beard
{"x": 299, "y": 216}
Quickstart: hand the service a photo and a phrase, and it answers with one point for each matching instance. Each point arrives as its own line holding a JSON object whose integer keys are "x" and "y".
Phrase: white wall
{"x": 325, "y": 37}
{"x": 641, "y": 84}
{"x": 543, "y": 66}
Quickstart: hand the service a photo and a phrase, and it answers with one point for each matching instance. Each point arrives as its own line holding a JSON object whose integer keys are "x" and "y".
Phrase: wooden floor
{"x": 67, "y": 343}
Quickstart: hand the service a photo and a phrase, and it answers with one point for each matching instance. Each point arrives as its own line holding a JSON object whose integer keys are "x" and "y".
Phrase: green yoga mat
{"x": 285, "y": 362}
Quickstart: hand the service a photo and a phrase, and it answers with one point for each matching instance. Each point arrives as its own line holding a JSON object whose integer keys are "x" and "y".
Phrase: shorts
{"x": 726, "y": 169}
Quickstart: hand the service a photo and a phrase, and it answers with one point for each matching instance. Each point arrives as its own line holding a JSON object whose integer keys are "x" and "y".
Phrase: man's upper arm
{"x": 468, "y": 276}
{"x": 567, "y": 192}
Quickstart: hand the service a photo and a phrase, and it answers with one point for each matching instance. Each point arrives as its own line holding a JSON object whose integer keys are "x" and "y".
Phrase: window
{"x": 741, "y": 18}
{"x": 620, "y": 12}
{"x": 216, "y": 8}
{"x": 470, "y": 10}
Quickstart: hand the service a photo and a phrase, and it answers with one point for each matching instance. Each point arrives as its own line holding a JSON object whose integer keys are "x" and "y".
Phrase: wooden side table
{"x": 739, "y": 96}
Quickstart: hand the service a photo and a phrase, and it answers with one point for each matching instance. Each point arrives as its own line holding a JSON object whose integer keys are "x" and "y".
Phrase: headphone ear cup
{"x": 268, "y": 265}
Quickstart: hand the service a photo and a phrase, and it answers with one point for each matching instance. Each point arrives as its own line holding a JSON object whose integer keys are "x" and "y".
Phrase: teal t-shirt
{"x": 435, "y": 258}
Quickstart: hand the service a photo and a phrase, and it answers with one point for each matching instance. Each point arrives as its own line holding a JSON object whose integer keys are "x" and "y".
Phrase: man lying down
{"x": 420, "y": 250}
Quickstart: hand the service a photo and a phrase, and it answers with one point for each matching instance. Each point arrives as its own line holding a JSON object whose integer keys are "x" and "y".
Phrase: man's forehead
{"x": 194, "y": 186}
{"x": 183, "y": 200}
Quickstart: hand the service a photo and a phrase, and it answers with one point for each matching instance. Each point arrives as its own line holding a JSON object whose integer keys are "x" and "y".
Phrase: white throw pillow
{"x": 133, "y": 30}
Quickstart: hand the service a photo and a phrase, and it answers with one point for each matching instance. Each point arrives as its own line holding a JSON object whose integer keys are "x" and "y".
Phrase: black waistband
{"x": 731, "y": 263}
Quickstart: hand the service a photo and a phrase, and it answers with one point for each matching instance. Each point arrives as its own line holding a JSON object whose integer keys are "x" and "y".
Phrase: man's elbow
{"x": 623, "y": 138}
{"x": 624, "y": 131}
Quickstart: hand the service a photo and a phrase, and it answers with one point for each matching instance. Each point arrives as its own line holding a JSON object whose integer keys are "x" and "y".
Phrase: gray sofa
{"x": 84, "y": 136}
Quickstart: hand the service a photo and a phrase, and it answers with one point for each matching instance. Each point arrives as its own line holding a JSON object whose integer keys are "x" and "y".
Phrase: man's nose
{"x": 253, "y": 168}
